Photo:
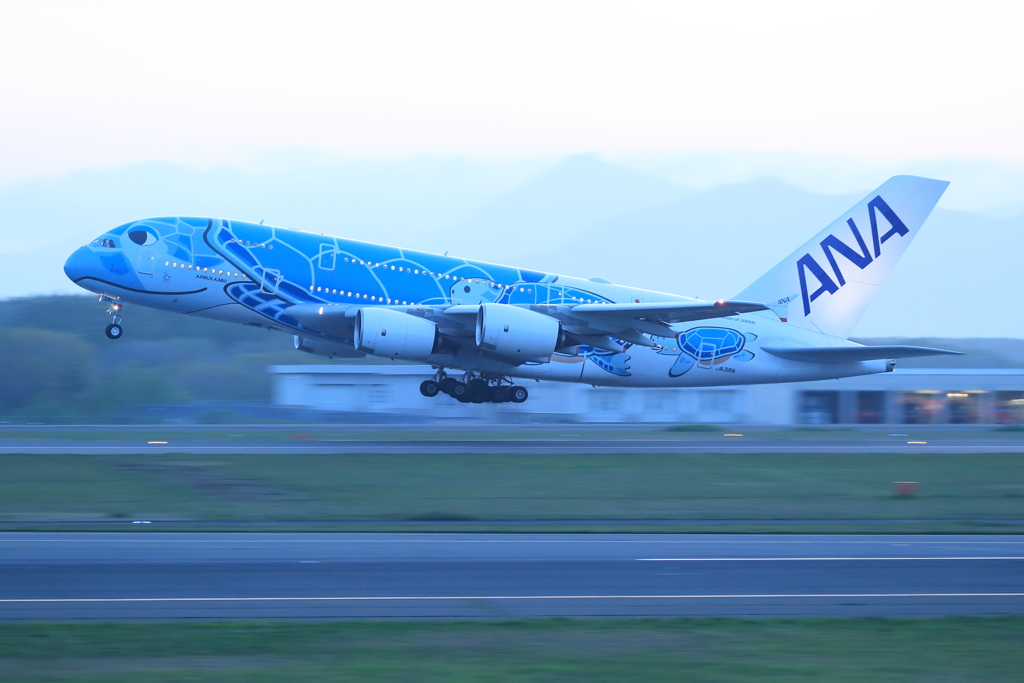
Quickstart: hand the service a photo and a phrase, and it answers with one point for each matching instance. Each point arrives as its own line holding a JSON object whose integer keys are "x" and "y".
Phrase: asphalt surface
{"x": 152, "y": 576}
{"x": 566, "y": 445}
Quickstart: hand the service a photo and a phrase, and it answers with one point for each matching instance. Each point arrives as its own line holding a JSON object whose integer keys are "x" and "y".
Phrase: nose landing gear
{"x": 114, "y": 329}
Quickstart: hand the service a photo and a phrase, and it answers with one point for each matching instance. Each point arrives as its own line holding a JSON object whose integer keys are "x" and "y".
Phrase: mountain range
{"x": 580, "y": 216}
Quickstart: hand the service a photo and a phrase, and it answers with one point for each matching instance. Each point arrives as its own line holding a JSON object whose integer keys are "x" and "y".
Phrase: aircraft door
{"x": 327, "y": 256}
{"x": 147, "y": 261}
{"x": 271, "y": 279}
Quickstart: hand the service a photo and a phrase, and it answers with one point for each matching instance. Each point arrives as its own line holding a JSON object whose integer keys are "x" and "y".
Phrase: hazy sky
{"x": 92, "y": 85}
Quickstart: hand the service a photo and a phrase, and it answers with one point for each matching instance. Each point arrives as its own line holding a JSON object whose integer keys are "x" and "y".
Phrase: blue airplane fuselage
{"x": 253, "y": 274}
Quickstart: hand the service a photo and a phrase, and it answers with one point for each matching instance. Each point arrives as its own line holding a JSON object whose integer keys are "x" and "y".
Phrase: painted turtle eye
{"x": 143, "y": 238}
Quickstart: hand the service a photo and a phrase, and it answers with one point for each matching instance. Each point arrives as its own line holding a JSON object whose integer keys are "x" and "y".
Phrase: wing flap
{"x": 853, "y": 354}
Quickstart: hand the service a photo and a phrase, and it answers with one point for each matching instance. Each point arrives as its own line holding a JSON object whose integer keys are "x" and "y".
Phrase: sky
{"x": 100, "y": 84}
{"x": 451, "y": 111}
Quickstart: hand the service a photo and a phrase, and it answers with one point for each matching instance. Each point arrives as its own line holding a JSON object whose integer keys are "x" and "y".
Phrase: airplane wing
{"x": 594, "y": 324}
{"x": 338, "y": 320}
{"x": 629, "y": 321}
{"x": 669, "y": 312}
{"x": 853, "y": 354}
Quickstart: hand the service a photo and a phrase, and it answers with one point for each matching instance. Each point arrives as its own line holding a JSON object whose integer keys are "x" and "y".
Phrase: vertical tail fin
{"x": 837, "y": 273}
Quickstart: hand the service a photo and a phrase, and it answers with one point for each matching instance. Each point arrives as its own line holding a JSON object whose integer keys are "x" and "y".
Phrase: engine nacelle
{"x": 517, "y": 333}
{"x": 393, "y": 334}
{"x": 319, "y": 347}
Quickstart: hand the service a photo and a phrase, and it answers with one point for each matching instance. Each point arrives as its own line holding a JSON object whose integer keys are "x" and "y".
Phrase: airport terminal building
{"x": 383, "y": 393}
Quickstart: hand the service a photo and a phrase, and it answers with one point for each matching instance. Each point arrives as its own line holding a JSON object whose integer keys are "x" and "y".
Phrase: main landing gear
{"x": 475, "y": 388}
{"x": 114, "y": 329}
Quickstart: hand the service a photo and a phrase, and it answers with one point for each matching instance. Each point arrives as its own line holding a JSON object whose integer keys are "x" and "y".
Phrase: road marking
{"x": 423, "y": 598}
{"x": 816, "y": 559}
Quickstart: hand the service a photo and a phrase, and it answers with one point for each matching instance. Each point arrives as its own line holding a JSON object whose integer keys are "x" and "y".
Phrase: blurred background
{"x": 671, "y": 147}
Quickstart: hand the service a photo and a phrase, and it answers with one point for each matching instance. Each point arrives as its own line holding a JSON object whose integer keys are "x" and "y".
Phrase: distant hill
{"x": 580, "y": 216}
{"x": 957, "y": 279}
{"x": 55, "y": 359}
{"x": 555, "y": 210}
{"x": 406, "y": 202}
{"x": 700, "y": 245}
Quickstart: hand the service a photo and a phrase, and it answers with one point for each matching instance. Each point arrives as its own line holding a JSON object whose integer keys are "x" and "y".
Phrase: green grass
{"x": 639, "y": 492}
{"x": 721, "y": 650}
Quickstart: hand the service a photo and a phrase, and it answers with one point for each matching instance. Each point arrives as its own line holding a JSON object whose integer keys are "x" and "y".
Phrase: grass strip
{"x": 821, "y": 650}
{"x": 788, "y": 493}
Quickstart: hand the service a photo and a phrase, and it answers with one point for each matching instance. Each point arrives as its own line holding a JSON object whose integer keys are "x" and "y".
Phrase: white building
{"x": 918, "y": 396}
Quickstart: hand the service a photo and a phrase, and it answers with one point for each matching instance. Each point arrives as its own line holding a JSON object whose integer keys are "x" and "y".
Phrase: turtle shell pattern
{"x": 708, "y": 346}
{"x": 708, "y": 343}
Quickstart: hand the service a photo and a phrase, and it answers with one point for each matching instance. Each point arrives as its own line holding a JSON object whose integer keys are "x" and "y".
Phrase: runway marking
{"x": 397, "y": 539}
{"x": 540, "y": 450}
{"x": 815, "y": 559}
{"x": 423, "y": 598}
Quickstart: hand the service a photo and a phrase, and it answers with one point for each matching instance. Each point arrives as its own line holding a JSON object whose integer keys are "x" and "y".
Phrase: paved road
{"x": 566, "y": 445}
{"x": 484, "y": 576}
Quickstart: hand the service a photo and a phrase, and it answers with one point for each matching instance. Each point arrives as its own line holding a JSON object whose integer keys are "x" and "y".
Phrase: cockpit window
{"x": 143, "y": 238}
{"x": 104, "y": 242}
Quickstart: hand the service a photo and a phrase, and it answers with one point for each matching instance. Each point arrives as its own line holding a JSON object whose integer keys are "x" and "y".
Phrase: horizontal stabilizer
{"x": 854, "y": 354}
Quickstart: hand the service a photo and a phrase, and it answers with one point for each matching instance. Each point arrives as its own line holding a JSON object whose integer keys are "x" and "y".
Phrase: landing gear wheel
{"x": 459, "y": 391}
{"x": 429, "y": 388}
{"x": 478, "y": 391}
{"x": 499, "y": 394}
{"x": 519, "y": 394}
{"x": 114, "y": 331}
{"x": 446, "y": 385}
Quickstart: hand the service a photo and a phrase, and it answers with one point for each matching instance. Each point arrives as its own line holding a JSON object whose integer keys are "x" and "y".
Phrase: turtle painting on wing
{"x": 707, "y": 347}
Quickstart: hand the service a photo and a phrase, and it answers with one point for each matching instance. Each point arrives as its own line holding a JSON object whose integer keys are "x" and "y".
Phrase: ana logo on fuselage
{"x": 862, "y": 258}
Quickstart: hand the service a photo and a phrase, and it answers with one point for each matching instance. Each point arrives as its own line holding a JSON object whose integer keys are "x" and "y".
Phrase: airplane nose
{"x": 81, "y": 262}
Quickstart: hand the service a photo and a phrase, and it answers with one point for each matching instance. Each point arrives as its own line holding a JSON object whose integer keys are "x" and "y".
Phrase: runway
{"x": 152, "y": 576}
{"x": 553, "y": 446}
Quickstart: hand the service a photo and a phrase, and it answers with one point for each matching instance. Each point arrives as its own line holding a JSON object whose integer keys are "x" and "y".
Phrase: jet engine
{"x": 518, "y": 333}
{"x": 393, "y": 334}
{"x": 319, "y": 347}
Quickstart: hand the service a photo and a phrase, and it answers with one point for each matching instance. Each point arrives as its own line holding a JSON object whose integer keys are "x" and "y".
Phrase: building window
{"x": 715, "y": 401}
{"x": 605, "y": 401}
{"x": 962, "y": 407}
{"x": 377, "y": 395}
{"x": 870, "y": 407}
{"x": 818, "y": 407}
{"x": 922, "y": 407}
{"x": 1009, "y": 407}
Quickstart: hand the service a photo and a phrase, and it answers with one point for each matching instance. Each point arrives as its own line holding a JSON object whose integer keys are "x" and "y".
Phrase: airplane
{"x": 494, "y": 324}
